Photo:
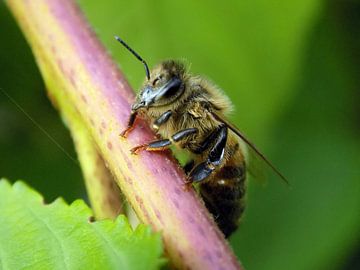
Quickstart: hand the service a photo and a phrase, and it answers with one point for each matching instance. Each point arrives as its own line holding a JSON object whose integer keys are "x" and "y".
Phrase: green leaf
{"x": 34, "y": 235}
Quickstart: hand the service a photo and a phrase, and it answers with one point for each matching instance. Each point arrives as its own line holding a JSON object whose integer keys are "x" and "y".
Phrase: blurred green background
{"x": 292, "y": 70}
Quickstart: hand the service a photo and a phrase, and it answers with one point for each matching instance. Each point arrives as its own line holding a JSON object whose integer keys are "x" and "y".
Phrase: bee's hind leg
{"x": 161, "y": 145}
{"x": 201, "y": 171}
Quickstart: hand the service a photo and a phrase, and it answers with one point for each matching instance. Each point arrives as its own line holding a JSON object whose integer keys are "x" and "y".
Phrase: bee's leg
{"x": 208, "y": 141}
{"x": 188, "y": 166}
{"x": 159, "y": 145}
{"x": 131, "y": 124}
{"x": 216, "y": 154}
{"x": 164, "y": 144}
{"x": 161, "y": 120}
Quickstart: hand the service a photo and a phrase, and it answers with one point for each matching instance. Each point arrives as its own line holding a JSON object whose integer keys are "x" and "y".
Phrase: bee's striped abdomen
{"x": 224, "y": 196}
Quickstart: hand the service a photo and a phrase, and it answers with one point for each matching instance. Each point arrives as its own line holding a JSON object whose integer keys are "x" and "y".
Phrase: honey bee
{"x": 190, "y": 112}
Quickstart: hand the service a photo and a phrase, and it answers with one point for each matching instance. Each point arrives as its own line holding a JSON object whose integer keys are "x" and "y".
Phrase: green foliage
{"x": 34, "y": 235}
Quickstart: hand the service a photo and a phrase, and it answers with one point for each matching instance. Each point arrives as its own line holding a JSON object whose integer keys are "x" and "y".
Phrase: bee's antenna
{"x": 136, "y": 55}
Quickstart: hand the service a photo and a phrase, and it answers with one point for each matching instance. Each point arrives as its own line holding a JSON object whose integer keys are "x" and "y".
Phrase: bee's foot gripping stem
{"x": 159, "y": 145}
{"x": 131, "y": 124}
{"x": 126, "y": 132}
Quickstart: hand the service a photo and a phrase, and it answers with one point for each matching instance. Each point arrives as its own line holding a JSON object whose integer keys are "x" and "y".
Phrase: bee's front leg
{"x": 161, "y": 120}
{"x": 131, "y": 124}
{"x": 201, "y": 171}
{"x": 161, "y": 145}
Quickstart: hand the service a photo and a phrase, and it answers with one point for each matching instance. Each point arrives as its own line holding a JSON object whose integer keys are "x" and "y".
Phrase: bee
{"x": 190, "y": 112}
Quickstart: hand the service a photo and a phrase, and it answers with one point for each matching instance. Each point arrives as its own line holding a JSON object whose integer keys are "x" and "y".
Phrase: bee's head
{"x": 163, "y": 86}
{"x": 166, "y": 84}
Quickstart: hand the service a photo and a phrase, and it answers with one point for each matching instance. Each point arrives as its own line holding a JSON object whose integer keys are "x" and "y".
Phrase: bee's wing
{"x": 256, "y": 158}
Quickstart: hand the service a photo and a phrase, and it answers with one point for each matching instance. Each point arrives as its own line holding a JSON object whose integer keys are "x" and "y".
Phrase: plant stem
{"x": 104, "y": 194}
{"x": 79, "y": 74}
